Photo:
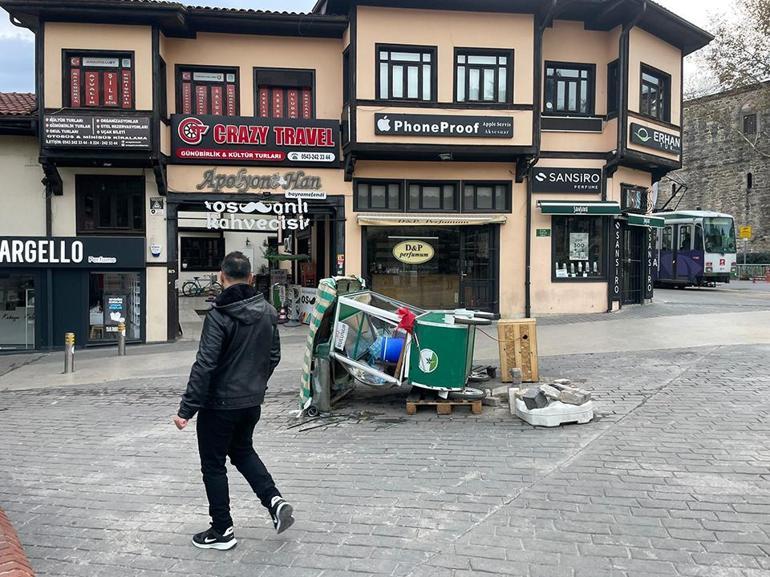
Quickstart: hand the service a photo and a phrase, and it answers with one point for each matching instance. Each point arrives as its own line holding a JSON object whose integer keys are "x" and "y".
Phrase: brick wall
{"x": 13, "y": 561}
{"x": 717, "y": 159}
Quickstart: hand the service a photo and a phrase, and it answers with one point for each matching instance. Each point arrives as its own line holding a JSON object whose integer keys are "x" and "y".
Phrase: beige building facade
{"x": 495, "y": 157}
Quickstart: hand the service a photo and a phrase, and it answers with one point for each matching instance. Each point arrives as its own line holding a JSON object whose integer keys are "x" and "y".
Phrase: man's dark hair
{"x": 236, "y": 266}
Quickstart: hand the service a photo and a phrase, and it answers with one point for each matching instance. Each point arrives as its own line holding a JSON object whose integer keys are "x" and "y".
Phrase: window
{"x": 204, "y": 90}
{"x": 613, "y": 87}
{"x": 486, "y": 197}
{"x": 405, "y": 73}
{"x": 114, "y": 297}
{"x": 99, "y": 80}
{"x": 666, "y": 243}
{"x": 201, "y": 253}
{"x": 433, "y": 196}
{"x": 569, "y": 88}
{"x": 685, "y": 237}
{"x": 110, "y": 204}
{"x": 483, "y": 76}
{"x": 633, "y": 199}
{"x": 655, "y": 94}
{"x": 284, "y": 93}
{"x": 749, "y": 124}
{"x": 378, "y": 195}
{"x": 578, "y": 248}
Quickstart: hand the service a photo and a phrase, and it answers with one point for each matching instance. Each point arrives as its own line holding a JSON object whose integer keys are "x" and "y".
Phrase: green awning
{"x": 646, "y": 220}
{"x": 575, "y": 207}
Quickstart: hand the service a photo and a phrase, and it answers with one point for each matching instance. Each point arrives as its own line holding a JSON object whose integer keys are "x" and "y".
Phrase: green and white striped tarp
{"x": 325, "y": 298}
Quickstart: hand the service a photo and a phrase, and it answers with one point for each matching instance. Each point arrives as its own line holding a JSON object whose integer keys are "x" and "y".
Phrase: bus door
{"x": 666, "y": 257}
{"x": 683, "y": 263}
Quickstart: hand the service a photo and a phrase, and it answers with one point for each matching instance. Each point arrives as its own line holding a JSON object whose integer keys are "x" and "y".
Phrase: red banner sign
{"x": 231, "y": 100}
{"x": 126, "y": 92}
{"x": 92, "y": 88}
{"x": 110, "y": 88}
{"x": 75, "y": 80}
{"x": 216, "y": 100}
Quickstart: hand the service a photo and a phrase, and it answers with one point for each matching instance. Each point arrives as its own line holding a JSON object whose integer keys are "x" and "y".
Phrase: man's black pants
{"x": 223, "y": 433}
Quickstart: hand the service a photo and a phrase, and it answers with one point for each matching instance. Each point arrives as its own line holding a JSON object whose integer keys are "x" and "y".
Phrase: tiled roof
{"x": 17, "y": 103}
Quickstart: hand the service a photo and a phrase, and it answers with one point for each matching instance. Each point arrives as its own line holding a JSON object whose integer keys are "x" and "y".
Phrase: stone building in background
{"x": 726, "y": 160}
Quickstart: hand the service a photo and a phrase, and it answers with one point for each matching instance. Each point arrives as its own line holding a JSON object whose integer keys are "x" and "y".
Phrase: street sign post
{"x": 744, "y": 232}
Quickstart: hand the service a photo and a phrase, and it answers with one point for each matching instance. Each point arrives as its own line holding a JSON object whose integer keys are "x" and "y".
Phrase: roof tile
{"x": 17, "y": 103}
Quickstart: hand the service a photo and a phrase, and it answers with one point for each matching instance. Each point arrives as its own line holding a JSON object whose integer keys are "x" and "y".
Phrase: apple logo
{"x": 383, "y": 124}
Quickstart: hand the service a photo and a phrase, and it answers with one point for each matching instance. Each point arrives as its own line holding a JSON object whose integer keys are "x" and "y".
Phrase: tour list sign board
{"x": 82, "y": 130}
{"x": 567, "y": 180}
{"x": 444, "y": 125}
{"x": 211, "y": 139}
{"x": 72, "y": 252}
{"x": 651, "y": 138}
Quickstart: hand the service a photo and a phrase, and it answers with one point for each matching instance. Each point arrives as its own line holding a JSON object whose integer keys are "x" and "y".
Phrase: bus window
{"x": 667, "y": 234}
{"x": 685, "y": 237}
{"x": 698, "y": 245}
{"x": 719, "y": 234}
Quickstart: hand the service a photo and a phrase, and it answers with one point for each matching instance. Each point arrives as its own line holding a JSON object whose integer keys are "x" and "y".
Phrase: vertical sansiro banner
{"x": 652, "y": 262}
{"x": 616, "y": 269}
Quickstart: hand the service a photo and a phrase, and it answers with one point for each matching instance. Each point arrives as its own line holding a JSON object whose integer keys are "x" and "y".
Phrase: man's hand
{"x": 180, "y": 422}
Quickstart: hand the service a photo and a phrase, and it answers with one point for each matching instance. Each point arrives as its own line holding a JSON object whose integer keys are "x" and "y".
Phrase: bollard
{"x": 121, "y": 339}
{"x": 69, "y": 352}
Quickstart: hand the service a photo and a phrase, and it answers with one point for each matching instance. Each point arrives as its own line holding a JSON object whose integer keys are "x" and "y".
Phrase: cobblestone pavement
{"x": 673, "y": 478}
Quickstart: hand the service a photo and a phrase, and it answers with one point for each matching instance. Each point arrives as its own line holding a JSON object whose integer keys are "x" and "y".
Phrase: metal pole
{"x": 69, "y": 352}
{"x": 121, "y": 339}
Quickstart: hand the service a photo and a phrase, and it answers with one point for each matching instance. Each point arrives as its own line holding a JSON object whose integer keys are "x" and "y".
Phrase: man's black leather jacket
{"x": 239, "y": 350}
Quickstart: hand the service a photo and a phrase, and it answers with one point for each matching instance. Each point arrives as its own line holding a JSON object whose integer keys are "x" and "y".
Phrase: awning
{"x": 646, "y": 220}
{"x": 575, "y": 207}
{"x": 429, "y": 219}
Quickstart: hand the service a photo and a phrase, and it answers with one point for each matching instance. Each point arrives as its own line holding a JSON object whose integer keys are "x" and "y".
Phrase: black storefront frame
{"x": 605, "y": 257}
{"x": 332, "y": 206}
{"x": 38, "y": 287}
{"x": 494, "y": 282}
{"x": 616, "y": 270}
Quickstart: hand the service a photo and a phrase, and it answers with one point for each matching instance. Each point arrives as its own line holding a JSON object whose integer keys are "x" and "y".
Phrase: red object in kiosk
{"x": 407, "y": 320}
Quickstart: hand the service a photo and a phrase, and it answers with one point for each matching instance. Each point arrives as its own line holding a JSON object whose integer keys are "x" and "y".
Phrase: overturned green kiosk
{"x": 360, "y": 336}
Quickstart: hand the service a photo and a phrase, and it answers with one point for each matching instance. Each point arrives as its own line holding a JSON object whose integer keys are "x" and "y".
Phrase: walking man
{"x": 238, "y": 352}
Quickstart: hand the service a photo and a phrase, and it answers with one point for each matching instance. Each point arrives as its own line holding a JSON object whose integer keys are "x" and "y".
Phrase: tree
{"x": 738, "y": 56}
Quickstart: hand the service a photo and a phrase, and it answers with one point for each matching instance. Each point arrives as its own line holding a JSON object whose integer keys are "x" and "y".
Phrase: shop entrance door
{"x": 478, "y": 265}
{"x": 633, "y": 241}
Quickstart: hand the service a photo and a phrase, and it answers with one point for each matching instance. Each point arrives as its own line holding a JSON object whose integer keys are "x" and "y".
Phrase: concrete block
{"x": 516, "y": 376}
{"x": 491, "y": 401}
{"x": 534, "y": 398}
{"x": 574, "y": 396}
{"x": 499, "y": 391}
{"x": 562, "y": 382}
{"x": 550, "y": 392}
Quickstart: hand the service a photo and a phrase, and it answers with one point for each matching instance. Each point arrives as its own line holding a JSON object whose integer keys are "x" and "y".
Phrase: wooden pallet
{"x": 443, "y": 406}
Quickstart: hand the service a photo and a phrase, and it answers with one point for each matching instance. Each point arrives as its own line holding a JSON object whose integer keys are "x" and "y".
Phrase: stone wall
{"x": 717, "y": 160}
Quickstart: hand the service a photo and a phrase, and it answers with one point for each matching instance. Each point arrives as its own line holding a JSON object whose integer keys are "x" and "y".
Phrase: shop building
{"x": 485, "y": 156}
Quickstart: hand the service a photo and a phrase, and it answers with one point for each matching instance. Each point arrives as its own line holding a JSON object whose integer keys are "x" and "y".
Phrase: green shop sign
{"x": 543, "y": 232}
{"x": 576, "y": 207}
{"x": 651, "y": 138}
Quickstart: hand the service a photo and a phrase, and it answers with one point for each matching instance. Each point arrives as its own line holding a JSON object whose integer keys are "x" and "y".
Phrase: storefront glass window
{"x": 433, "y": 197}
{"x": 110, "y": 204}
{"x": 578, "y": 247}
{"x": 17, "y": 311}
{"x": 114, "y": 297}
{"x": 418, "y": 265}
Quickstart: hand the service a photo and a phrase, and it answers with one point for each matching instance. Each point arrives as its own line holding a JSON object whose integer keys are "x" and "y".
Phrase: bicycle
{"x": 209, "y": 287}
